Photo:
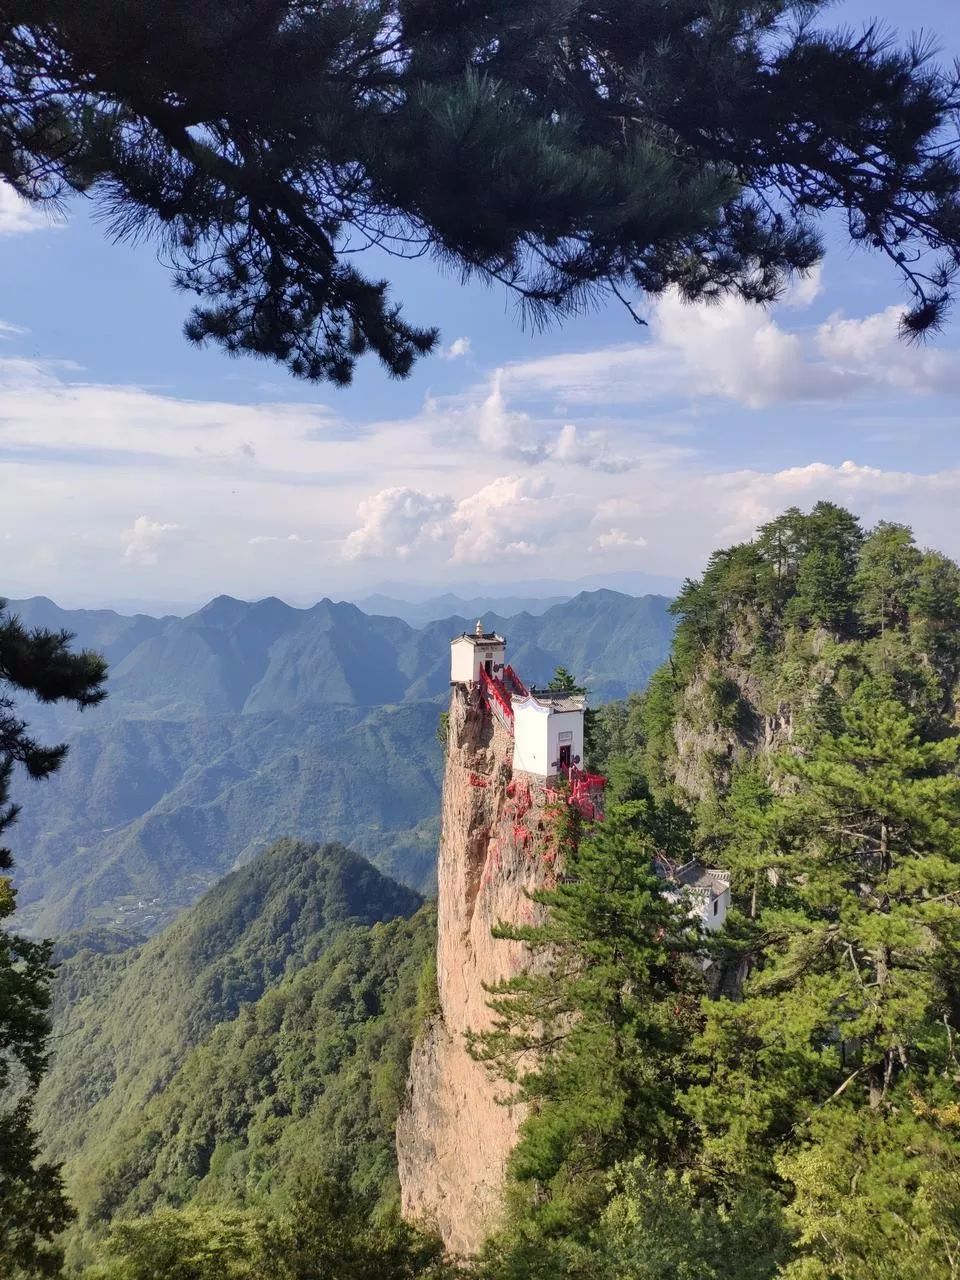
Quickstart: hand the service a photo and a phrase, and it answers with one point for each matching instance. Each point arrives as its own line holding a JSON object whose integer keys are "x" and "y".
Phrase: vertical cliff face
{"x": 456, "y": 1131}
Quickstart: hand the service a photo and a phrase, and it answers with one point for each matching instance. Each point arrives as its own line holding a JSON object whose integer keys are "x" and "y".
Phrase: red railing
{"x": 498, "y": 698}
{"x": 586, "y": 790}
{"x": 511, "y": 677}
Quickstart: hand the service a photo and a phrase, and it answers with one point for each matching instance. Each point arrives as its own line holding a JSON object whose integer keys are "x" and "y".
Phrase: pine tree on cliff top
{"x": 595, "y": 1042}
{"x": 559, "y": 148}
{"x": 835, "y": 1076}
{"x": 32, "y": 1207}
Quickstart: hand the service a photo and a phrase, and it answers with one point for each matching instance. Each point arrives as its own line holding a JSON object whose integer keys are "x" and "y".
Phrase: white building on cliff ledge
{"x": 546, "y": 724}
{"x": 472, "y": 653}
{"x": 548, "y": 732}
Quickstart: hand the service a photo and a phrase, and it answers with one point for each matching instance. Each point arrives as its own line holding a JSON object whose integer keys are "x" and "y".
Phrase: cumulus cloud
{"x": 738, "y": 351}
{"x": 488, "y": 420}
{"x": 505, "y": 432}
{"x": 871, "y": 348}
{"x": 590, "y": 450}
{"x": 513, "y": 515}
{"x": 615, "y": 540}
{"x": 394, "y": 521}
{"x": 18, "y": 215}
{"x": 457, "y": 349}
{"x": 804, "y": 290}
{"x": 144, "y": 540}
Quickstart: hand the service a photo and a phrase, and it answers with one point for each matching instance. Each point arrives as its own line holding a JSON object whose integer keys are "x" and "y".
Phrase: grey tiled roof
{"x": 559, "y": 699}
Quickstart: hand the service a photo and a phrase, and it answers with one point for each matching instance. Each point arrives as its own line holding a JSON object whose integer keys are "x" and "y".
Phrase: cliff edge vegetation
{"x": 778, "y": 1098}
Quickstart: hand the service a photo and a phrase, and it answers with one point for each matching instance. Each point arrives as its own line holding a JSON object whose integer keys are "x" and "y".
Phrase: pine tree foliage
{"x": 325, "y": 1232}
{"x": 32, "y": 1208}
{"x": 837, "y": 1067}
{"x": 593, "y": 1036}
{"x": 561, "y": 148}
{"x": 803, "y": 737}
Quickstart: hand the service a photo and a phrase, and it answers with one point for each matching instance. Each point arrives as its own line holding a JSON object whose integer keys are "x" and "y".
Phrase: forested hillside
{"x": 245, "y": 722}
{"x": 775, "y": 1101}
{"x": 780, "y": 1100}
{"x": 147, "y": 814}
{"x": 260, "y": 1039}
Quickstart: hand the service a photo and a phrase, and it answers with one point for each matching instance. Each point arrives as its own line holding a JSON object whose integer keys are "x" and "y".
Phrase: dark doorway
{"x": 488, "y": 666}
{"x": 565, "y": 754}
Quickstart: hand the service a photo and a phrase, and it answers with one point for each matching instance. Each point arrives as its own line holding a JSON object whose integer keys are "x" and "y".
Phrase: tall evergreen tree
{"x": 32, "y": 1207}
{"x": 888, "y": 576}
{"x": 835, "y": 1075}
{"x": 593, "y": 1037}
{"x": 558, "y": 147}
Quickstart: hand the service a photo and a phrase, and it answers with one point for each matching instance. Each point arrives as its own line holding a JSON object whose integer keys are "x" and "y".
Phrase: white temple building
{"x": 547, "y": 732}
{"x": 546, "y": 724}
{"x": 705, "y": 890}
{"x": 472, "y": 653}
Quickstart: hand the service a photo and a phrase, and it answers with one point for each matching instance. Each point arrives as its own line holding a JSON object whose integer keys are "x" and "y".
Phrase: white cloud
{"x": 590, "y": 450}
{"x": 394, "y": 521}
{"x": 739, "y": 352}
{"x": 872, "y": 348}
{"x": 513, "y": 515}
{"x": 457, "y": 349}
{"x": 804, "y": 290}
{"x": 616, "y": 539}
{"x": 293, "y": 539}
{"x": 501, "y": 431}
{"x": 145, "y": 538}
{"x": 18, "y": 215}
{"x": 516, "y": 469}
{"x": 736, "y": 350}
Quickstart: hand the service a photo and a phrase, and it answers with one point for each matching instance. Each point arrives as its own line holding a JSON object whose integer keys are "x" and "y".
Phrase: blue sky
{"x": 136, "y": 467}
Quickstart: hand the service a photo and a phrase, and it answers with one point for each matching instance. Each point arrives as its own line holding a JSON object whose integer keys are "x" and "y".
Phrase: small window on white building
{"x": 716, "y": 906}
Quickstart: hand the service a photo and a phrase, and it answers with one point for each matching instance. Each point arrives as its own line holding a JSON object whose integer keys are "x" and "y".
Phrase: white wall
{"x": 530, "y": 732}
{"x": 562, "y": 722}
{"x": 536, "y": 736}
{"x": 714, "y": 919}
{"x": 466, "y": 659}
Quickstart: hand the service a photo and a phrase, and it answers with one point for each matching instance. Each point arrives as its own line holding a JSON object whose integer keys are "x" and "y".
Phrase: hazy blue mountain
{"x": 244, "y": 722}
{"x": 419, "y": 613}
{"x": 146, "y": 814}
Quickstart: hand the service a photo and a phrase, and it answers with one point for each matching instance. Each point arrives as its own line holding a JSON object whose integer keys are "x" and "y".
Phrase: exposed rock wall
{"x": 455, "y": 1132}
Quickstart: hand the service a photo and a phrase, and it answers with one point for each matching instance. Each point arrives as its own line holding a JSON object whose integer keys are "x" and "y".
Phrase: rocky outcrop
{"x": 457, "y": 1127}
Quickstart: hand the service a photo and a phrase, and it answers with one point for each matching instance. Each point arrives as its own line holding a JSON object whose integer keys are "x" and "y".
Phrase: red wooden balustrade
{"x": 498, "y": 698}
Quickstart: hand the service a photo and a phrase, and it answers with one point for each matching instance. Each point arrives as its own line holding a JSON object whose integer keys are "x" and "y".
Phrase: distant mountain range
{"x": 244, "y": 722}
{"x": 437, "y": 608}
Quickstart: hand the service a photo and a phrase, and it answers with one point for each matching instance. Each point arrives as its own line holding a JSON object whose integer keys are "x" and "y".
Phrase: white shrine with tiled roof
{"x": 546, "y": 725}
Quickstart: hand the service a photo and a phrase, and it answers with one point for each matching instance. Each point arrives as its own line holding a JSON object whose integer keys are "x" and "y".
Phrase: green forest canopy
{"x": 792, "y": 1110}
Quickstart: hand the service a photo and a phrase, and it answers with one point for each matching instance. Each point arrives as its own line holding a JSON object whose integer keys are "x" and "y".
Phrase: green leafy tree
{"x": 594, "y": 1038}
{"x": 935, "y": 612}
{"x": 837, "y": 1067}
{"x": 32, "y": 1206}
{"x": 832, "y": 538}
{"x": 326, "y": 1234}
{"x": 563, "y": 681}
{"x": 561, "y": 149}
{"x": 658, "y": 1226}
{"x": 888, "y": 576}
